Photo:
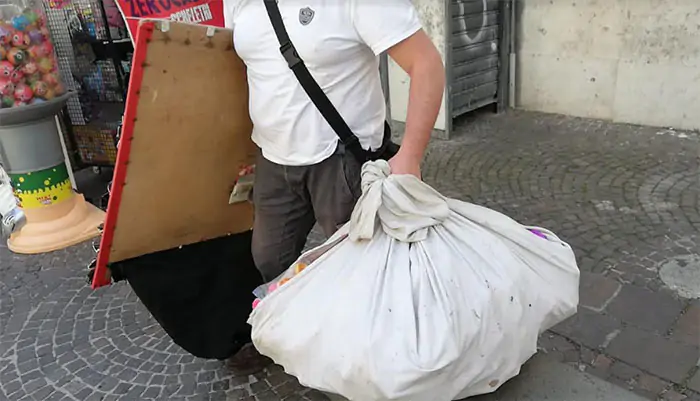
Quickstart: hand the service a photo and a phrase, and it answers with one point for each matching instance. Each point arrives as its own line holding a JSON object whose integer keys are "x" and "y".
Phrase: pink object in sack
{"x": 256, "y": 302}
{"x": 537, "y": 233}
{"x": 272, "y": 287}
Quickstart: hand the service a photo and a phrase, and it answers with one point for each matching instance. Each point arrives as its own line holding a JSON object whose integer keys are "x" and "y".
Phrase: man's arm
{"x": 422, "y": 62}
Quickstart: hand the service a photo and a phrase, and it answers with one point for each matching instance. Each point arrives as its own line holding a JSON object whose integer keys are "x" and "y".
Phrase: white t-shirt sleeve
{"x": 382, "y": 24}
{"x": 229, "y": 9}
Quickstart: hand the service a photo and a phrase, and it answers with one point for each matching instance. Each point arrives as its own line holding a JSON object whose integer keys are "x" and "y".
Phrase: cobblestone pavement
{"x": 625, "y": 197}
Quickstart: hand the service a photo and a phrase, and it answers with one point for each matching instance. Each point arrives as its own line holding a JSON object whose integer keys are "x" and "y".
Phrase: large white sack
{"x": 418, "y": 298}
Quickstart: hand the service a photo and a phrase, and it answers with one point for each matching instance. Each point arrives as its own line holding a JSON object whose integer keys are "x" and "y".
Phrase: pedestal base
{"x": 58, "y": 226}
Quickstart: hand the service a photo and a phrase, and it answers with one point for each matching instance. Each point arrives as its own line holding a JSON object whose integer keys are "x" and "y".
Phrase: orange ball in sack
{"x": 299, "y": 268}
{"x": 284, "y": 281}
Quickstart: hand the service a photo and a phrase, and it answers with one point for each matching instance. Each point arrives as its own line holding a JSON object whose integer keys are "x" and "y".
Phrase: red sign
{"x": 199, "y": 12}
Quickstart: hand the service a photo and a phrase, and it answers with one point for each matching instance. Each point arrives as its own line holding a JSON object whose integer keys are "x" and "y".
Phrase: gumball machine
{"x": 31, "y": 95}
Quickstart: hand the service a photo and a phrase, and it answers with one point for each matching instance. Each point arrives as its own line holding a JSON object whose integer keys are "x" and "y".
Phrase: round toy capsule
{"x": 16, "y": 76}
{"x": 20, "y": 22}
{"x": 16, "y": 56}
{"x": 272, "y": 288}
{"x": 8, "y": 101}
{"x": 40, "y": 88}
{"x": 256, "y": 303}
{"x": 30, "y": 68}
{"x": 6, "y": 69}
{"x": 7, "y": 88}
{"x": 299, "y": 268}
{"x": 45, "y": 65}
{"x": 23, "y": 93}
{"x": 284, "y": 281}
{"x": 35, "y": 52}
{"x": 46, "y": 48}
{"x": 31, "y": 15}
{"x": 50, "y": 78}
{"x": 35, "y": 37}
{"x": 19, "y": 39}
{"x": 59, "y": 89}
{"x": 5, "y": 34}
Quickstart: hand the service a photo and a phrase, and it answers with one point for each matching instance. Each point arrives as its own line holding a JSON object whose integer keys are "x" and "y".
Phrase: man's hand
{"x": 422, "y": 62}
{"x": 405, "y": 164}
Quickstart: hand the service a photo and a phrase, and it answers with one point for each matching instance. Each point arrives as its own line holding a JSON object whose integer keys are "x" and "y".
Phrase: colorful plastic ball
{"x": 16, "y": 56}
{"x": 30, "y": 68}
{"x": 23, "y": 93}
{"x": 8, "y": 101}
{"x": 35, "y": 36}
{"x": 31, "y": 79}
{"x": 19, "y": 39}
{"x": 5, "y": 35}
{"x": 299, "y": 268}
{"x": 7, "y": 88}
{"x": 46, "y": 48}
{"x": 16, "y": 76}
{"x": 6, "y": 68}
{"x": 50, "y": 78}
{"x": 31, "y": 15}
{"x": 256, "y": 303}
{"x": 45, "y": 65}
{"x": 40, "y": 89}
{"x": 59, "y": 89}
{"x": 284, "y": 281}
{"x": 3, "y": 52}
{"x": 44, "y": 31}
{"x": 34, "y": 52}
{"x": 37, "y": 100}
{"x": 19, "y": 103}
{"x": 273, "y": 287}
{"x": 20, "y": 22}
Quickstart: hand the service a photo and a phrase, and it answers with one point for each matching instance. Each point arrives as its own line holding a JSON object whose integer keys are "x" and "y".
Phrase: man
{"x": 303, "y": 175}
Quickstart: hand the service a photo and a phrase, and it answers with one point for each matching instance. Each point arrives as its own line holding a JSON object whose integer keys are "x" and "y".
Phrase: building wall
{"x": 432, "y": 14}
{"x": 633, "y": 61}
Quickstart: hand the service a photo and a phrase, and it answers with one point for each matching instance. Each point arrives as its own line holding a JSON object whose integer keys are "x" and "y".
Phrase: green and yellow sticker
{"x": 42, "y": 188}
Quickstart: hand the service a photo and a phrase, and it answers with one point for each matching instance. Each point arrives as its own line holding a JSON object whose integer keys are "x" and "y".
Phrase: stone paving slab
{"x": 625, "y": 197}
{"x": 544, "y": 379}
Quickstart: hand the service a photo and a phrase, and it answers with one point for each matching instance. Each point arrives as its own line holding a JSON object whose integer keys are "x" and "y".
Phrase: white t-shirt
{"x": 339, "y": 41}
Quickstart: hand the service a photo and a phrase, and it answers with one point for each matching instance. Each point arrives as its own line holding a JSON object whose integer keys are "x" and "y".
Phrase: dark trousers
{"x": 290, "y": 200}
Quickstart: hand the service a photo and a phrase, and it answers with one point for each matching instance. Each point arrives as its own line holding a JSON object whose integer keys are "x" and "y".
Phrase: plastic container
{"x": 28, "y": 66}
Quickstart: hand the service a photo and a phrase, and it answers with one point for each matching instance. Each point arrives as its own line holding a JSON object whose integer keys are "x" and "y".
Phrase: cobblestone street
{"x": 625, "y": 197}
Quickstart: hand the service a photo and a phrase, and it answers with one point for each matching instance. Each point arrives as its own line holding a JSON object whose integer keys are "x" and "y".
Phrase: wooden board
{"x": 186, "y": 136}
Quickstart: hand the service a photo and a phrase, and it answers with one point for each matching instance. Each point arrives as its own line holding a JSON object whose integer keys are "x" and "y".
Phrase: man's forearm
{"x": 424, "y": 101}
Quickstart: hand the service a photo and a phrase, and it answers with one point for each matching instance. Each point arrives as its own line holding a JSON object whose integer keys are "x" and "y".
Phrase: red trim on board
{"x": 143, "y": 36}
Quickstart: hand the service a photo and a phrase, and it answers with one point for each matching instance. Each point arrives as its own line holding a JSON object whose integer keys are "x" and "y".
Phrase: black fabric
{"x": 200, "y": 294}
{"x": 319, "y": 98}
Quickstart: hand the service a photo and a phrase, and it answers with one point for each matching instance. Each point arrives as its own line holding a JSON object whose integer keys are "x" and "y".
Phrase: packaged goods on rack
{"x": 28, "y": 67}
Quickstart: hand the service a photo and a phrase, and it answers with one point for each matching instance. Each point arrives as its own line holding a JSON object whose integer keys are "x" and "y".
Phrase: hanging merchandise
{"x": 418, "y": 297}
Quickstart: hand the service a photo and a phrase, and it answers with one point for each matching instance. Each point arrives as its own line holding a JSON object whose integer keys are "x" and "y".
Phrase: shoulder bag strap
{"x": 311, "y": 87}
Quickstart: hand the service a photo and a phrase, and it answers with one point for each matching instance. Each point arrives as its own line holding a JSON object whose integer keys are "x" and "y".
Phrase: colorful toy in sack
{"x": 418, "y": 297}
{"x": 280, "y": 281}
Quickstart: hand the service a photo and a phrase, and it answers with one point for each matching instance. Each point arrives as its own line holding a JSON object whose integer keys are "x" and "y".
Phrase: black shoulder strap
{"x": 311, "y": 87}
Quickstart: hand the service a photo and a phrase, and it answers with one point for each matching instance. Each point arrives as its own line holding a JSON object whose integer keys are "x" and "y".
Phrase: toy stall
{"x": 49, "y": 214}
{"x": 93, "y": 50}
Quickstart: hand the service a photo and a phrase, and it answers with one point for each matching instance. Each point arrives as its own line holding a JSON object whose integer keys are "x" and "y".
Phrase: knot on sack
{"x": 403, "y": 205}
